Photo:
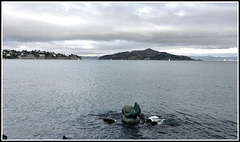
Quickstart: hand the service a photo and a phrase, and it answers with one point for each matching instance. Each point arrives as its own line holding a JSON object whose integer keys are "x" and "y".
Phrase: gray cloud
{"x": 136, "y": 25}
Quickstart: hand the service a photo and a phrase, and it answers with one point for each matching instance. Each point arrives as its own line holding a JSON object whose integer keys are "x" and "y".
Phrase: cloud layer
{"x": 104, "y": 28}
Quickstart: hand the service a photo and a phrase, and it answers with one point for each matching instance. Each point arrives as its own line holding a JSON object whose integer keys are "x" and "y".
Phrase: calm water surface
{"x": 49, "y": 99}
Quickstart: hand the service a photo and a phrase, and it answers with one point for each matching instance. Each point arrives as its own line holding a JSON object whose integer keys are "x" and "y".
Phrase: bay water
{"x": 49, "y": 99}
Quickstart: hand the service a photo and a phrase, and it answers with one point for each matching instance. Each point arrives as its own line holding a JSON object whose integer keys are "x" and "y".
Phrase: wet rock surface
{"x": 131, "y": 114}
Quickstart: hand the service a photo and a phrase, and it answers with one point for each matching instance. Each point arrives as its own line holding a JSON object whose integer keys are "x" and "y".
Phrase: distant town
{"x": 37, "y": 54}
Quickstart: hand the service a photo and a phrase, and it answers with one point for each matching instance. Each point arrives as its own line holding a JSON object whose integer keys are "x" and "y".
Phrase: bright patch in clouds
{"x": 85, "y": 44}
{"x": 181, "y": 13}
{"x": 46, "y": 18}
{"x": 144, "y": 10}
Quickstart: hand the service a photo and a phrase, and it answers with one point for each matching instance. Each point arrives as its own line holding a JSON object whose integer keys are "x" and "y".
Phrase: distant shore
{"x": 37, "y": 54}
{"x": 39, "y": 59}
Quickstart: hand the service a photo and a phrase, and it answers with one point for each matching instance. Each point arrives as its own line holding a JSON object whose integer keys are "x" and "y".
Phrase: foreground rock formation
{"x": 131, "y": 114}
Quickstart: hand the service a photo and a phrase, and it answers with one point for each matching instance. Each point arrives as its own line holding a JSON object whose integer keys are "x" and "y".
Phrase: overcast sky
{"x": 95, "y": 29}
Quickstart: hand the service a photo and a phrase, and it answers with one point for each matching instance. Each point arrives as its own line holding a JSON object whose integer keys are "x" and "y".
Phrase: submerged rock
{"x": 172, "y": 122}
{"x": 142, "y": 118}
{"x": 151, "y": 122}
{"x": 109, "y": 120}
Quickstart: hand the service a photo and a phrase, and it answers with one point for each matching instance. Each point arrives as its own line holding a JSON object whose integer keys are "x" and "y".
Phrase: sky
{"x": 100, "y": 28}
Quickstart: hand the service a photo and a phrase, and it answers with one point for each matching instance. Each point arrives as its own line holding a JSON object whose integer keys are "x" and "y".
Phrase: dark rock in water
{"x": 154, "y": 123}
{"x": 154, "y": 120}
{"x": 151, "y": 122}
{"x": 4, "y": 137}
{"x": 142, "y": 118}
{"x": 64, "y": 137}
{"x": 130, "y": 121}
{"x": 109, "y": 120}
{"x": 130, "y": 114}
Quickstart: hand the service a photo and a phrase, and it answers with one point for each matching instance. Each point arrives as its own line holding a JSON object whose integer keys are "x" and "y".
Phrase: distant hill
{"x": 147, "y": 54}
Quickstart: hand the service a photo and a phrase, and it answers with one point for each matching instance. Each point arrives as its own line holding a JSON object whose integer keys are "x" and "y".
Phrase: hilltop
{"x": 147, "y": 54}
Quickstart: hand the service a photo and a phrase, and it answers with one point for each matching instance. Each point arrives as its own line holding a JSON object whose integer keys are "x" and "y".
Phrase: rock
{"x": 154, "y": 123}
{"x": 64, "y": 137}
{"x": 130, "y": 114}
{"x": 154, "y": 120}
{"x": 130, "y": 121}
{"x": 142, "y": 118}
{"x": 4, "y": 137}
{"x": 109, "y": 120}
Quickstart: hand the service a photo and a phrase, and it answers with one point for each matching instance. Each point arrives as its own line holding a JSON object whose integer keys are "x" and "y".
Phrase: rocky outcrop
{"x": 130, "y": 114}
